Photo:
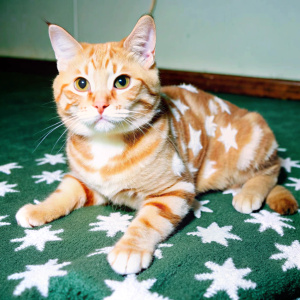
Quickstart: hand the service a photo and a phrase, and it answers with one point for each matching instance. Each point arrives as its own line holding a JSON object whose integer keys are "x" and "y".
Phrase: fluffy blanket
{"x": 215, "y": 253}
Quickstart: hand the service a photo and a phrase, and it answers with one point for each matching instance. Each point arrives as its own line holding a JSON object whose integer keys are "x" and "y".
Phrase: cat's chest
{"x": 88, "y": 157}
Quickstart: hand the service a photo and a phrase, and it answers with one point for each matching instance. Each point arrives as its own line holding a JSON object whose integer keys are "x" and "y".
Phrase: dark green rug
{"x": 221, "y": 255}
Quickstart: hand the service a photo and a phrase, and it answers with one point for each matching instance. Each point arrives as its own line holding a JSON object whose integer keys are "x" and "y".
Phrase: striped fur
{"x": 148, "y": 147}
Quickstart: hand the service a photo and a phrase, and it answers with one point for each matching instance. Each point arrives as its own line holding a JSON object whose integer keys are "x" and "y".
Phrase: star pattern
{"x": 104, "y": 250}
{"x": 226, "y": 278}
{"x": 233, "y": 192}
{"x": 189, "y": 88}
{"x": 3, "y": 223}
{"x": 198, "y": 207}
{"x": 51, "y": 159}
{"x": 270, "y": 220}
{"x": 112, "y": 224}
{"x": 208, "y": 168}
{"x": 49, "y": 177}
{"x": 224, "y": 106}
{"x": 214, "y": 233}
{"x": 180, "y": 106}
{"x": 131, "y": 288}
{"x": 37, "y": 238}
{"x": 195, "y": 142}
{"x": 228, "y": 137}
{"x": 295, "y": 184}
{"x": 210, "y": 126}
{"x": 213, "y": 107}
{"x": 38, "y": 276}
{"x": 287, "y": 163}
{"x": 290, "y": 253}
{"x": 8, "y": 167}
{"x": 158, "y": 252}
{"x": 7, "y": 188}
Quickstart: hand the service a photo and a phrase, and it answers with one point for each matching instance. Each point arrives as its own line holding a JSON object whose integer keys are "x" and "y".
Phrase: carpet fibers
{"x": 216, "y": 253}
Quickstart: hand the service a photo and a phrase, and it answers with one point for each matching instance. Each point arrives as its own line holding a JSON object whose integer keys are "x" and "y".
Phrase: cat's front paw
{"x": 125, "y": 260}
{"x": 246, "y": 203}
{"x": 30, "y": 216}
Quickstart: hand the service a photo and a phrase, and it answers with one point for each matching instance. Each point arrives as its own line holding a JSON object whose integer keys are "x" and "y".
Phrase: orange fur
{"x": 148, "y": 147}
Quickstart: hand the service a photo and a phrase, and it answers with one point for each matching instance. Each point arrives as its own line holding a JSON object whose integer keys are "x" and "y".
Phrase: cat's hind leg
{"x": 70, "y": 194}
{"x": 262, "y": 186}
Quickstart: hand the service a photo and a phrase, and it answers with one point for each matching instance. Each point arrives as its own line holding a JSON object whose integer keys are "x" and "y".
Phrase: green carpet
{"x": 221, "y": 255}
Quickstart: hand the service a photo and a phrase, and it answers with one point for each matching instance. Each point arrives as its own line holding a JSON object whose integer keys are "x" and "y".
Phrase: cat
{"x": 132, "y": 142}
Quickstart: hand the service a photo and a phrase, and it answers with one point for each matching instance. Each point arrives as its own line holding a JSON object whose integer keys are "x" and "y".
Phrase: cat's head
{"x": 111, "y": 87}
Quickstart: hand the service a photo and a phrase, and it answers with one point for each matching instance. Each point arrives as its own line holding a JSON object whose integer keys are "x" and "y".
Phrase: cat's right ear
{"x": 64, "y": 45}
{"x": 141, "y": 41}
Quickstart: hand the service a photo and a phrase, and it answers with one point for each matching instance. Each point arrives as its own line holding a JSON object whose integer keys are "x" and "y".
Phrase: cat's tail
{"x": 282, "y": 201}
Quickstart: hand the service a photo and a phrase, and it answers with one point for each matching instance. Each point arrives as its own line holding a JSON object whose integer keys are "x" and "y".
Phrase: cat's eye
{"x": 81, "y": 84}
{"x": 122, "y": 82}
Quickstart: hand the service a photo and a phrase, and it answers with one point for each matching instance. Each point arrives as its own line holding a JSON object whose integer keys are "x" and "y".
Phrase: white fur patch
{"x": 103, "y": 148}
{"x": 195, "y": 140}
{"x": 189, "y": 88}
{"x": 210, "y": 126}
{"x": 223, "y": 105}
{"x": 177, "y": 165}
{"x": 248, "y": 152}
{"x": 180, "y": 106}
{"x": 209, "y": 169}
{"x": 273, "y": 147}
{"x": 213, "y": 107}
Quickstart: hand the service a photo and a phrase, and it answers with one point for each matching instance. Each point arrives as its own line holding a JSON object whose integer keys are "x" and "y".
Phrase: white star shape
{"x": 189, "y": 88}
{"x": 281, "y": 149}
{"x": 112, "y": 224}
{"x": 209, "y": 168}
{"x": 233, "y": 192}
{"x": 38, "y": 276}
{"x": 158, "y": 251}
{"x": 3, "y": 223}
{"x": 214, "y": 233}
{"x": 180, "y": 106}
{"x": 287, "y": 163}
{"x": 290, "y": 253}
{"x": 104, "y": 250}
{"x": 7, "y": 188}
{"x": 210, "y": 126}
{"x": 198, "y": 207}
{"x": 177, "y": 165}
{"x": 226, "y": 278}
{"x": 37, "y": 238}
{"x": 270, "y": 220}
{"x": 213, "y": 107}
{"x": 49, "y": 177}
{"x": 131, "y": 288}
{"x": 296, "y": 183}
{"x": 51, "y": 159}
{"x": 7, "y": 168}
{"x": 228, "y": 137}
{"x": 224, "y": 106}
{"x": 195, "y": 143}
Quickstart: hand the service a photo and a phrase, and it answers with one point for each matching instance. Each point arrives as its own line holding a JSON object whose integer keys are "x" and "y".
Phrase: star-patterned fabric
{"x": 216, "y": 253}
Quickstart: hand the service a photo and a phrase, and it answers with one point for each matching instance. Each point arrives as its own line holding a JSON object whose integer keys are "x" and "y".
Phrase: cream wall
{"x": 240, "y": 37}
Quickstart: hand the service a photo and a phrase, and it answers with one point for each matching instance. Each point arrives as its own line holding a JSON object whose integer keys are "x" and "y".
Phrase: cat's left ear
{"x": 141, "y": 41}
{"x": 64, "y": 46}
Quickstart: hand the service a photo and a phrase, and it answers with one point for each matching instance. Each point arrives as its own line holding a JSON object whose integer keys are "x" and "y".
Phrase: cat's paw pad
{"x": 246, "y": 204}
{"x": 127, "y": 261}
{"x": 30, "y": 216}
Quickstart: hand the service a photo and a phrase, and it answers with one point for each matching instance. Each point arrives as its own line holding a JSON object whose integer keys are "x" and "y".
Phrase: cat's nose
{"x": 101, "y": 106}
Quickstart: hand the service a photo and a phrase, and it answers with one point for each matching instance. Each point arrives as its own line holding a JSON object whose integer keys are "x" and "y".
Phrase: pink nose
{"x": 101, "y": 106}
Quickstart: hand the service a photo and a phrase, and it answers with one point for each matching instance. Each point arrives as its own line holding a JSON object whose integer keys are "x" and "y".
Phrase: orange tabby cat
{"x": 133, "y": 143}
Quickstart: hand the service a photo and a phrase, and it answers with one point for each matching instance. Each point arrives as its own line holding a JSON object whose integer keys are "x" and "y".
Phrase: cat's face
{"x": 112, "y": 87}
